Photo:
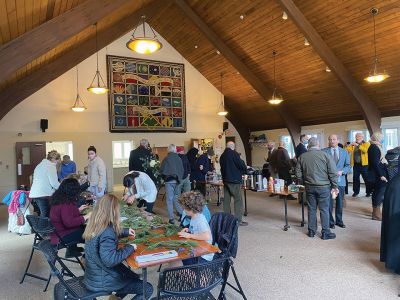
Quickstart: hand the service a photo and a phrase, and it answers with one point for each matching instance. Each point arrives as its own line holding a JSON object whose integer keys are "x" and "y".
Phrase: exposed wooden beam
{"x": 38, "y": 41}
{"x": 370, "y": 111}
{"x": 243, "y": 131}
{"x": 291, "y": 123}
{"x": 22, "y": 89}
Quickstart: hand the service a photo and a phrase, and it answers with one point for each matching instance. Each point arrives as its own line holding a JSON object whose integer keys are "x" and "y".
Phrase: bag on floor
{"x": 14, "y": 220}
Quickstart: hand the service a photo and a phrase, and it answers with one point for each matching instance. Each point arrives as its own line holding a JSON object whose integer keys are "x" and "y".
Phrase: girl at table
{"x": 104, "y": 268}
{"x": 193, "y": 203}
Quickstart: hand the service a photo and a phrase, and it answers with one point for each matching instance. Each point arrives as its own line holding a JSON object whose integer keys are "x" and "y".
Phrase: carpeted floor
{"x": 272, "y": 263}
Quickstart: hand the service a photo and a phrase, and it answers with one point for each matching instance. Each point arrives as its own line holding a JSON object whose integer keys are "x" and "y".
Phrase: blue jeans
{"x": 183, "y": 187}
{"x": 318, "y": 197}
{"x": 358, "y": 170}
{"x": 44, "y": 206}
{"x": 193, "y": 261}
{"x": 338, "y": 209}
{"x": 170, "y": 191}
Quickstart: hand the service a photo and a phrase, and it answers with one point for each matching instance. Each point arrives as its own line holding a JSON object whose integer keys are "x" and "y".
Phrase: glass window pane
{"x": 391, "y": 138}
{"x": 70, "y": 151}
{"x": 127, "y": 149}
{"x": 26, "y": 155}
{"x": 117, "y": 150}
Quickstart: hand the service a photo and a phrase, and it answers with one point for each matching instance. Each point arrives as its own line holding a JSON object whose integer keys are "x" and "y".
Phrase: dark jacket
{"x": 232, "y": 166}
{"x": 137, "y": 158}
{"x": 66, "y": 219}
{"x": 172, "y": 166}
{"x": 200, "y": 175}
{"x": 186, "y": 165}
{"x": 280, "y": 159}
{"x": 104, "y": 271}
{"x": 299, "y": 150}
{"x": 376, "y": 169}
{"x": 392, "y": 156}
{"x": 224, "y": 230}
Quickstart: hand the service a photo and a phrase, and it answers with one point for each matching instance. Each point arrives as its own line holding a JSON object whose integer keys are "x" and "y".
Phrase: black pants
{"x": 74, "y": 237}
{"x": 133, "y": 285}
{"x": 358, "y": 170}
{"x": 285, "y": 175}
{"x": 379, "y": 193}
{"x": 201, "y": 186}
{"x": 44, "y": 206}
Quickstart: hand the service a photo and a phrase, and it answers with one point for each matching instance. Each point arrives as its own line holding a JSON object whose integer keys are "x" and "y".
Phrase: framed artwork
{"x": 145, "y": 95}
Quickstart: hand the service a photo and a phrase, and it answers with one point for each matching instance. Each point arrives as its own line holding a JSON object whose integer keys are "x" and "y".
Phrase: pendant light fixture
{"x": 97, "y": 86}
{"x": 79, "y": 105}
{"x": 144, "y": 44}
{"x": 221, "y": 110}
{"x": 374, "y": 75}
{"x": 276, "y": 97}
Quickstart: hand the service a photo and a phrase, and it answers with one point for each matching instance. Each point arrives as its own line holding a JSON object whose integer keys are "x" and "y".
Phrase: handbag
{"x": 21, "y": 216}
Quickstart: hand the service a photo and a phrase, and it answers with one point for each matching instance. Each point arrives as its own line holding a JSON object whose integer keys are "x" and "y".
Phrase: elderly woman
{"x": 141, "y": 188}
{"x": 45, "y": 182}
{"x": 377, "y": 173}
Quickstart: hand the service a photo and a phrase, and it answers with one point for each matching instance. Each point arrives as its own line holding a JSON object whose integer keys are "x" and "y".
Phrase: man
{"x": 184, "y": 185}
{"x": 232, "y": 169}
{"x": 202, "y": 168}
{"x": 319, "y": 175}
{"x": 342, "y": 161}
{"x": 267, "y": 158}
{"x": 358, "y": 151}
{"x": 302, "y": 146}
{"x": 140, "y": 158}
{"x": 67, "y": 167}
{"x": 172, "y": 171}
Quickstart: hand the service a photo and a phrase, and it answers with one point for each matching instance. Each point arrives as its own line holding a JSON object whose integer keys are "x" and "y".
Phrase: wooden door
{"x": 29, "y": 155}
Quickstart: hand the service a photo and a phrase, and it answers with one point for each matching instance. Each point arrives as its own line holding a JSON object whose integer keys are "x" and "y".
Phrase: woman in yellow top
{"x": 358, "y": 151}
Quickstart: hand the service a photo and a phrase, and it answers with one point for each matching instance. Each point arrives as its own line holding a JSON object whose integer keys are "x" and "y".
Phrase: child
{"x": 104, "y": 268}
{"x": 193, "y": 203}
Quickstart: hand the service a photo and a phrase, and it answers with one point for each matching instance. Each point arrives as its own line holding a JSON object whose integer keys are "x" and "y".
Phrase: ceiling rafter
{"x": 370, "y": 111}
{"x": 18, "y": 91}
{"x": 38, "y": 41}
{"x": 292, "y": 124}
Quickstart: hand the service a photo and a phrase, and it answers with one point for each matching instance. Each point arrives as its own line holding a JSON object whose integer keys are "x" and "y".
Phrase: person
{"x": 271, "y": 150}
{"x": 67, "y": 167}
{"x": 202, "y": 168}
{"x": 302, "y": 146}
{"x": 172, "y": 171}
{"x": 346, "y": 190}
{"x": 192, "y": 157}
{"x": 141, "y": 188}
{"x": 358, "y": 151}
{"x": 140, "y": 157}
{"x": 45, "y": 182}
{"x": 319, "y": 174}
{"x": 390, "y": 234}
{"x": 232, "y": 169}
{"x": 104, "y": 269}
{"x": 341, "y": 159}
{"x": 377, "y": 173}
{"x": 66, "y": 216}
{"x": 97, "y": 173}
{"x": 193, "y": 203}
{"x": 392, "y": 157}
{"x": 184, "y": 185}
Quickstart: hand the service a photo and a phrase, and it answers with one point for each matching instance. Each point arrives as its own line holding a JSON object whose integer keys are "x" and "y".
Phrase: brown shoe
{"x": 376, "y": 213}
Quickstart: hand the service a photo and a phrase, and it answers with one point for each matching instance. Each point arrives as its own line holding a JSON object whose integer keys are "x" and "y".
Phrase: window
{"x": 318, "y": 134}
{"x": 391, "y": 136}
{"x": 288, "y": 144}
{"x": 121, "y": 151}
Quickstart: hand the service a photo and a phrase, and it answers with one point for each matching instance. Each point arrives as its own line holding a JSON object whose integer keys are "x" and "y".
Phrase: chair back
{"x": 194, "y": 280}
{"x": 224, "y": 229}
{"x": 41, "y": 226}
{"x": 52, "y": 258}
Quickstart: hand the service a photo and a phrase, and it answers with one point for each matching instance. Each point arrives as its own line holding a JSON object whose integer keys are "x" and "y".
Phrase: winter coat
{"x": 200, "y": 175}
{"x": 232, "y": 166}
{"x": 392, "y": 156}
{"x": 45, "y": 180}
{"x": 224, "y": 230}
{"x": 97, "y": 173}
{"x": 172, "y": 167}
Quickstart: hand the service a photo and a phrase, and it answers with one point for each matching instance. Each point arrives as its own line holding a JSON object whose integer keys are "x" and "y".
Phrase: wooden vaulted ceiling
{"x": 312, "y": 96}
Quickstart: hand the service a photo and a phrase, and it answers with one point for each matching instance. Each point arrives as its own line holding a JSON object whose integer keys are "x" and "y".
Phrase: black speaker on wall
{"x": 44, "y": 124}
{"x": 225, "y": 126}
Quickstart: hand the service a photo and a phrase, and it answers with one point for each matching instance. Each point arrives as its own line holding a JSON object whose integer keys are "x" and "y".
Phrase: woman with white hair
{"x": 377, "y": 173}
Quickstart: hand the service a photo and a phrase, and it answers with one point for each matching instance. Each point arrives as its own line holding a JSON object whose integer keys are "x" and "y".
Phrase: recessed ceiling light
{"x": 237, "y": 73}
{"x": 241, "y": 17}
{"x": 306, "y": 43}
{"x": 284, "y": 15}
{"x": 218, "y": 52}
{"x": 327, "y": 69}
{"x": 195, "y": 46}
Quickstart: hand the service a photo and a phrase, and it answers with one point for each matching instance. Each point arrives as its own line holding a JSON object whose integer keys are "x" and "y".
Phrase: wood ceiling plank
{"x": 25, "y": 48}
{"x": 50, "y": 9}
{"x": 12, "y": 18}
{"x": 39, "y": 18}
{"x": 28, "y": 14}
{"x": 4, "y": 27}
{"x": 20, "y": 9}
{"x": 18, "y": 91}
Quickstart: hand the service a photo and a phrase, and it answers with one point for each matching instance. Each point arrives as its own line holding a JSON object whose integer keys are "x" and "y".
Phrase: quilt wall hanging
{"x": 146, "y": 95}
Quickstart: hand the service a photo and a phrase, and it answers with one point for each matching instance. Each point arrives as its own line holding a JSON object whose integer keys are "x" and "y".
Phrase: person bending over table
{"x": 104, "y": 268}
{"x": 141, "y": 188}
{"x": 66, "y": 217}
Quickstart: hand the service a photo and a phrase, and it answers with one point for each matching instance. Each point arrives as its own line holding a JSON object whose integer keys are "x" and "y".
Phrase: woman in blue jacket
{"x": 104, "y": 269}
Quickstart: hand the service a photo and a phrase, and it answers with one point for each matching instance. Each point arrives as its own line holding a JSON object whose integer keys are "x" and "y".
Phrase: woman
{"x": 390, "y": 234}
{"x": 377, "y": 173}
{"x": 104, "y": 268}
{"x": 97, "y": 173}
{"x": 140, "y": 187}
{"x": 66, "y": 216}
{"x": 45, "y": 182}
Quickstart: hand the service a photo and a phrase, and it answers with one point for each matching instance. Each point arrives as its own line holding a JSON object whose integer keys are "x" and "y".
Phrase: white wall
{"x": 91, "y": 127}
{"x": 340, "y": 129}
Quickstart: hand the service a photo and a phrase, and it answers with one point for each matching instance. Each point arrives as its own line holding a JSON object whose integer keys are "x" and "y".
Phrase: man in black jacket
{"x": 139, "y": 159}
{"x": 232, "y": 169}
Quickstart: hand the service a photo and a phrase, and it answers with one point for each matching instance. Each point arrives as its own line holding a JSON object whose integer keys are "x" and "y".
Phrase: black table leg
{"x": 144, "y": 273}
{"x": 302, "y": 209}
{"x": 287, "y": 226}
{"x": 245, "y": 203}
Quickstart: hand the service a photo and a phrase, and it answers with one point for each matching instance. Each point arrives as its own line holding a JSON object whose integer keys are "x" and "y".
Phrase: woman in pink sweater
{"x": 66, "y": 216}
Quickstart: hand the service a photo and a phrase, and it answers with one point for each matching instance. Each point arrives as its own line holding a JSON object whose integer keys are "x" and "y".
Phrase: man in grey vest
{"x": 319, "y": 174}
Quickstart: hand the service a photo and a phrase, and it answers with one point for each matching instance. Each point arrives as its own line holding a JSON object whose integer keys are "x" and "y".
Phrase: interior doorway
{"x": 28, "y": 156}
